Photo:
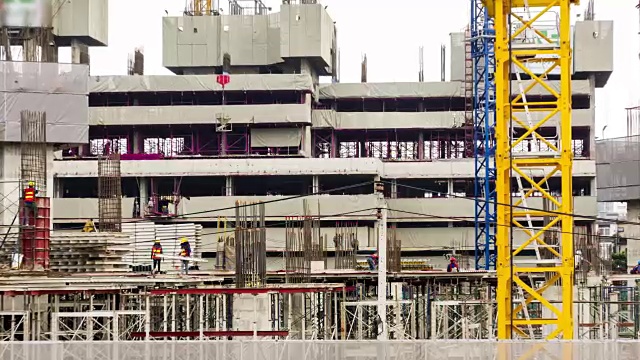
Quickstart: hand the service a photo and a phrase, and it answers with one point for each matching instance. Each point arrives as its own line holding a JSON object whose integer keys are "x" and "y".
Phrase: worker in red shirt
{"x": 156, "y": 250}
{"x": 453, "y": 265}
{"x": 29, "y": 198}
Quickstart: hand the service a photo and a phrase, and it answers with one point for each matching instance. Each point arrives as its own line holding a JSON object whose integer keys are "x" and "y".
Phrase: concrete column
{"x": 450, "y": 187}
{"x": 79, "y": 52}
{"x": 228, "y": 186}
{"x": 421, "y": 146}
{"x": 394, "y": 188}
{"x": 143, "y": 188}
{"x": 137, "y": 143}
{"x": 223, "y": 143}
{"x": 307, "y": 143}
{"x": 315, "y": 184}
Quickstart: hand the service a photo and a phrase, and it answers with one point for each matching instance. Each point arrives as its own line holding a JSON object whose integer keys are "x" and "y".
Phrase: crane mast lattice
{"x": 536, "y": 61}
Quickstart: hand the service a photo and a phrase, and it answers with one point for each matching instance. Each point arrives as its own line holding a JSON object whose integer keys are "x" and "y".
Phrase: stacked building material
{"x": 197, "y": 250}
{"x": 142, "y": 235}
{"x": 88, "y": 252}
{"x": 170, "y": 236}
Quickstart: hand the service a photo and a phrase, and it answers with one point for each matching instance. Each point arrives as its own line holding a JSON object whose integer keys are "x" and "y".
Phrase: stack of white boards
{"x": 88, "y": 252}
{"x": 144, "y": 233}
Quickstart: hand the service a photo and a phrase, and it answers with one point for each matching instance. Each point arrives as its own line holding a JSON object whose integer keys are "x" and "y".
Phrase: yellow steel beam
{"x": 491, "y": 4}
{"x": 558, "y": 318}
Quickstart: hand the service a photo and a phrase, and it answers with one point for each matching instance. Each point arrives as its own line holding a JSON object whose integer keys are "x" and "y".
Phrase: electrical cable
{"x": 271, "y": 225}
{"x": 293, "y": 197}
{"x": 521, "y": 207}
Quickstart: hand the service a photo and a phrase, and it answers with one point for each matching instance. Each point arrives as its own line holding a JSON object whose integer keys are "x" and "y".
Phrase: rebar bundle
{"x": 251, "y": 245}
{"x": 109, "y": 193}
{"x": 305, "y": 246}
{"x": 33, "y": 148}
{"x": 297, "y": 260}
{"x": 394, "y": 251}
{"x": 346, "y": 245}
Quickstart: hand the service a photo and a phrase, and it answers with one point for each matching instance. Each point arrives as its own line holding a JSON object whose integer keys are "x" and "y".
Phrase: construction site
{"x": 251, "y": 204}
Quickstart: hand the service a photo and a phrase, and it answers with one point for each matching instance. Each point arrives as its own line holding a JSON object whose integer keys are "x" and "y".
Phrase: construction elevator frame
{"x": 482, "y": 41}
{"x": 558, "y": 271}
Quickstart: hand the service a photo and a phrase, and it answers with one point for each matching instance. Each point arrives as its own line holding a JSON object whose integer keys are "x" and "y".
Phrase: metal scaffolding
{"x": 251, "y": 248}
{"x": 109, "y": 192}
{"x": 482, "y": 59}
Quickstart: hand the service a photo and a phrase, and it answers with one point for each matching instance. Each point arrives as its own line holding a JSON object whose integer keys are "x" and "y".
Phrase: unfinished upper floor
{"x": 281, "y": 115}
{"x": 300, "y": 38}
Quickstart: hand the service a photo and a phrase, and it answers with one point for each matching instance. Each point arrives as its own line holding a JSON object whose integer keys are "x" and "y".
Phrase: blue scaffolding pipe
{"x": 482, "y": 38}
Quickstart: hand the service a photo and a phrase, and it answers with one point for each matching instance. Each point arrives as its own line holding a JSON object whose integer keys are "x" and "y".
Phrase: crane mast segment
{"x": 523, "y": 49}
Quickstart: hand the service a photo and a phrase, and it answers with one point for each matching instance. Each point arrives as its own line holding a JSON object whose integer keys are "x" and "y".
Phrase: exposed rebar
{"x": 33, "y": 148}
{"x": 346, "y": 245}
{"x": 305, "y": 246}
{"x": 250, "y": 241}
{"x": 109, "y": 192}
{"x": 394, "y": 251}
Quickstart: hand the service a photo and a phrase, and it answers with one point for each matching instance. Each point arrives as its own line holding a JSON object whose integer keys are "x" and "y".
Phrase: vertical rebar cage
{"x": 305, "y": 246}
{"x": 33, "y": 149}
{"x": 251, "y": 249}
{"x": 35, "y": 222}
{"x": 109, "y": 193}
{"x": 346, "y": 245}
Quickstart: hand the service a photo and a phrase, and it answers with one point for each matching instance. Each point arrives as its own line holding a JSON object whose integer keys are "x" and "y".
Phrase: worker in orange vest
{"x": 156, "y": 250}
{"x": 29, "y": 198}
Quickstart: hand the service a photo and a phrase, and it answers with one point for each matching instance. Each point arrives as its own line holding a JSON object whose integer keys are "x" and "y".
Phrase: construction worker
{"x": 89, "y": 226}
{"x": 185, "y": 251}
{"x": 29, "y": 198}
{"x": 453, "y": 265}
{"x": 156, "y": 250}
{"x": 636, "y": 269}
{"x": 373, "y": 261}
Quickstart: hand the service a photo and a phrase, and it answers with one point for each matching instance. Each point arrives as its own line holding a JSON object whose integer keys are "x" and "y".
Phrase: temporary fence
{"x": 317, "y": 350}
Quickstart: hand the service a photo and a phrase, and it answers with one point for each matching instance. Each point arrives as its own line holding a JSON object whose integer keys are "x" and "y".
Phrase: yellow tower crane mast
{"x": 202, "y": 7}
{"x": 548, "y": 54}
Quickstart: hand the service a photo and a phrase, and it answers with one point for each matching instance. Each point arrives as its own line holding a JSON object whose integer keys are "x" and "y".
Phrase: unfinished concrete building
{"x": 273, "y": 132}
{"x": 33, "y": 85}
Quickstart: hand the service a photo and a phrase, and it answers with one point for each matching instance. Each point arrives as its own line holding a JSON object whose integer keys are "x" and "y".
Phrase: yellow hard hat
{"x": 183, "y": 240}
{"x": 31, "y": 183}
{"x": 157, "y": 241}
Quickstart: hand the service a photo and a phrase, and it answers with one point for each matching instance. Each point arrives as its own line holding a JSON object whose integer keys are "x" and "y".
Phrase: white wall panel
{"x": 185, "y": 115}
{"x": 446, "y": 169}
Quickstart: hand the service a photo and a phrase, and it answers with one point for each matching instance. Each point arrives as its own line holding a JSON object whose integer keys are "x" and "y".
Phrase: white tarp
{"x": 60, "y": 90}
{"x": 279, "y": 137}
{"x": 173, "y": 115}
{"x": 423, "y": 120}
{"x": 175, "y": 83}
{"x": 385, "y": 120}
{"x": 427, "y": 90}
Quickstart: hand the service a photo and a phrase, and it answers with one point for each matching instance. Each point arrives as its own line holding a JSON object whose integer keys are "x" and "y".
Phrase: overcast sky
{"x": 389, "y": 34}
